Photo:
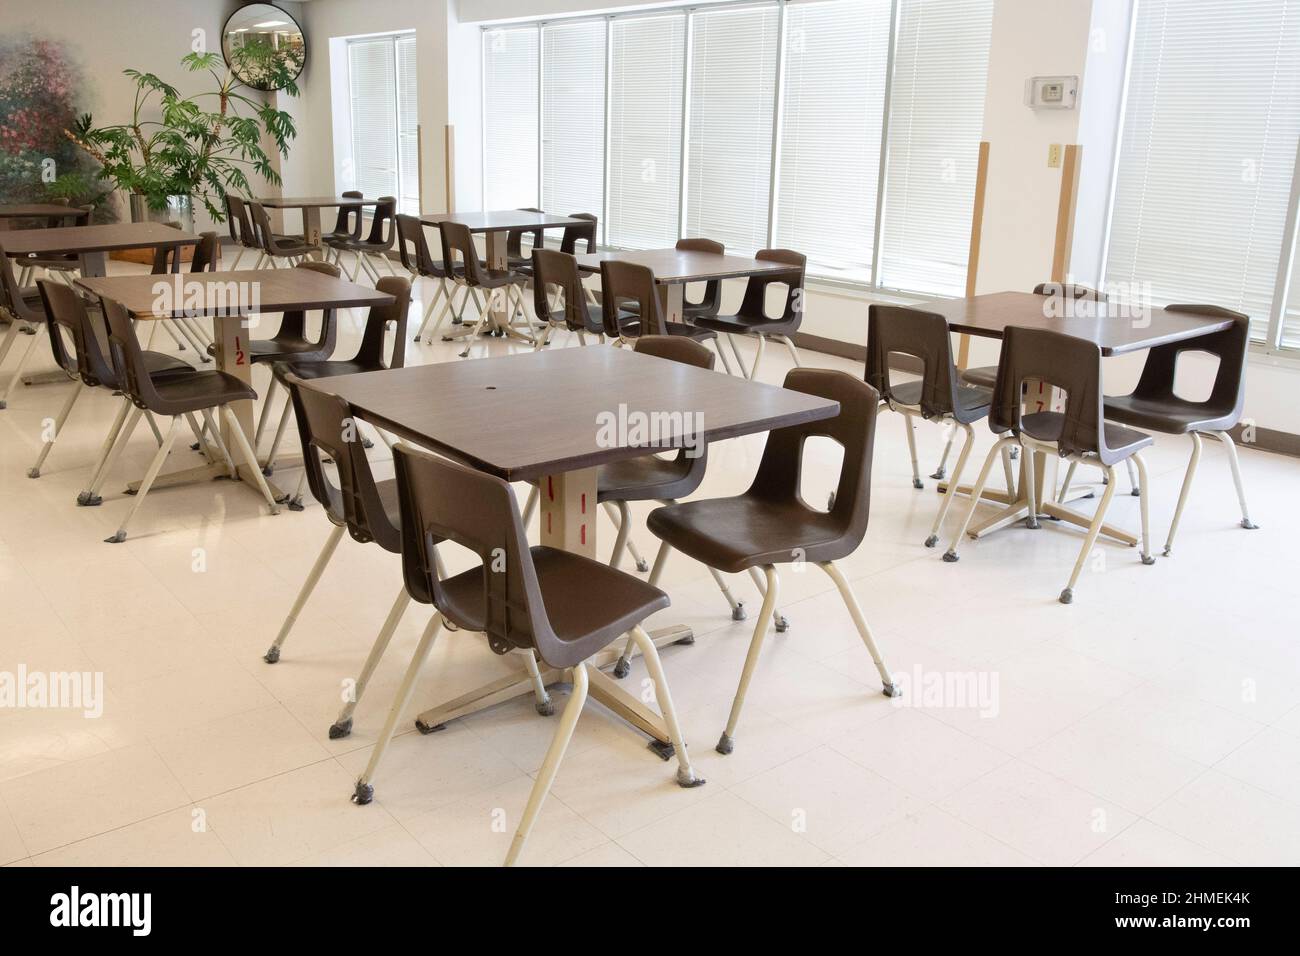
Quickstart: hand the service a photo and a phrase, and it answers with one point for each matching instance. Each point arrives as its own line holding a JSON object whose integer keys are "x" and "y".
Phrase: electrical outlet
{"x": 1054, "y": 155}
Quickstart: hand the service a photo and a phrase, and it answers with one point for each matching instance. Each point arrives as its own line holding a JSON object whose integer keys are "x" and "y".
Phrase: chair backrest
{"x": 64, "y": 311}
{"x": 584, "y": 233}
{"x": 854, "y": 429}
{"x": 442, "y": 500}
{"x": 515, "y": 237}
{"x": 629, "y": 281}
{"x": 1228, "y": 394}
{"x": 89, "y": 337}
{"x": 754, "y": 303}
{"x": 381, "y": 223}
{"x": 1070, "y": 364}
{"x": 11, "y": 296}
{"x": 239, "y": 223}
{"x": 371, "y": 350}
{"x": 293, "y": 323}
{"x": 559, "y": 270}
{"x": 203, "y": 259}
{"x": 679, "y": 348}
{"x": 127, "y": 357}
{"x": 924, "y": 336}
{"x": 712, "y": 299}
{"x": 261, "y": 226}
{"x": 413, "y": 247}
{"x": 328, "y": 428}
{"x": 458, "y": 243}
{"x": 348, "y": 223}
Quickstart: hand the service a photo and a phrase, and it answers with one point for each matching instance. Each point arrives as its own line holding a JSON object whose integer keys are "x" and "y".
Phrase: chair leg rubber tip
{"x": 1148, "y": 559}
{"x": 363, "y": 794}
{"x": 687, "y": 780}
{"x": 725, "y": 745}
{"x": 340, "y": 729}
{"x": 642, "y": 566}
{"x": 621, "y": 668}
{"x": 782, "y": 624}
{"x": 1067, "y": 596}
{"x": 87, "y": 500}
{"x": 939, "y": 475}
{"x": 546, "y": 707}
{"x": 295, "y": 504}
{"x": 1168, "y": 551}
{"x": 738, "y": 612}
{"x": 1249, "y": 525}
{"x": 918, "y": 484}
{"x": 951, "y": 557}
{"x": 33, "y": 473}
{"x": 116, "y": 538}
{"x": 931, "y": 541}
{"x": 891, "y": 690}
{"x": 272, "y": 656}
{"x": 1136, "y": 492}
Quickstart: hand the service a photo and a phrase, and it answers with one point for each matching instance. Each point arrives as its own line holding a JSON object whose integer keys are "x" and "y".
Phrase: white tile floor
{"x": 1155, "y": 721}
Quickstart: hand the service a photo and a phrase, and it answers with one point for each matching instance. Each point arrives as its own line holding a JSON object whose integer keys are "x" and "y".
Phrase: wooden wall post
{"x": 973, "y": 260}
{"x": 449, "y": 138}
{"x": 1065, "y": 212}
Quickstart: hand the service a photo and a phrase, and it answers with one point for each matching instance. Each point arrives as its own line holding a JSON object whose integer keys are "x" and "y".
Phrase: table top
{"x": 672, "y": 266}
{"x": 36, "y": 210}
{"x": 242, "y": 292}
{"x": 537, "y": 413}
{"x": 1113, "y": 329}
{"x": 107, "y": 238}
{"x": 497, "y": 220}
{"x": 313, "y": 202}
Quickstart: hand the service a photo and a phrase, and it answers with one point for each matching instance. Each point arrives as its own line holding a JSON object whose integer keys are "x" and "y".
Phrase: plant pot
{"x": 180, "y": 210}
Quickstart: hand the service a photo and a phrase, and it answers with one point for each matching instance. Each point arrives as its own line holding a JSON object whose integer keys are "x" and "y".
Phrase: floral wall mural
{"x": 42, "y": 89}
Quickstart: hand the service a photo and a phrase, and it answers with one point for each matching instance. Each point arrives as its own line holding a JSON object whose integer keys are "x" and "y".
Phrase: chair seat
{"x": 1121, "y": 442}
{"x": 293, "y": 246}
{"x": 747, "y": 325}
{"x": 326, "y": 369}
{"x": 633, "y": 329}
{"x": 1172, "y": 415}
{"x": 592, "y": 320}
{"x": 179, "y": 394}
{"x": 733, "y": 534}
{"x": 496, "y": 278}
{"x": 649, "y": 478}
{"x": 362, "y": 245}
{"x": 588, "y": 604}
{"x": 986, "y": 376}
{"x": 972, "y": 403}
{"x": 160, "y": 363}
{"x": 269, "y": 350}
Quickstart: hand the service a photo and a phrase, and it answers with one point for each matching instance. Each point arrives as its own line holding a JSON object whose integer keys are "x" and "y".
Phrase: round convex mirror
{"x": 264, "y": 46}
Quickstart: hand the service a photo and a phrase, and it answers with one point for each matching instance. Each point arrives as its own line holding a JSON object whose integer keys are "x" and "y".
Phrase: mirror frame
{"x": 225, "y": 32}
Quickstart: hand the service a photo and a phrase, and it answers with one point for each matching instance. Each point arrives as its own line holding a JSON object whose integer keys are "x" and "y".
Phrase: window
{"x": 729, "y": 129}
{"x": 756, "y": 124}
{"x": 647, "y": 58}
{"x": 573, "y": 116}
{"x": 1207, "y": 158}
{"x": 384, "y": 119}
{"x": 510, "y": 110}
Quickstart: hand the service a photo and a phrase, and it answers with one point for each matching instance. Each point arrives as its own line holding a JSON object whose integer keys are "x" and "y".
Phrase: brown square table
{"x": 674, "y": 268}
{"x": 93, "y": 243}
{"x": 1115, "y": 329}
{"x": 229, "y": 298}
{"x": 496, "y": 225}
{"x": 559, "y": 443}
{"x": 311, "y": 207}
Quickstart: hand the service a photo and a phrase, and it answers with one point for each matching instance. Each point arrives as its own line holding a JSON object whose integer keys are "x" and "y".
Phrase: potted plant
{"x": 200, "y": 147}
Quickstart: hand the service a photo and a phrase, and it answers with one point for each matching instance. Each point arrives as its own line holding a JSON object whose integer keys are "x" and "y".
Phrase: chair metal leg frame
{"x": 200, "y": 336}
{"x": 994, "y": 454}
{"x": 124, "y": 409}
{"x": 618, "y": 513}
{"x": 272, "y": 654}
{"x": 1135, "y": 488}
{"x": 531, "y": 505}
{"x": 911, "y": 447}
{"x": 722, "y": 354}
{"x": 280, "y": 429}
{"x": 1090, "y": 538}
{"x": 64, "y": 412}
{"x": 1234, "y": 463}
{"x": 542, "y": 700}
{"x": 860, "y": 622}
{"x": 266, "y": 412}
{"x": 941, "y": 472}
{"x": 439, "y": 292}
{"x": 1231, "y": 447}
{"x": 794, "y": 352}
{"x": 365, "y": 788}
{"x": 342, "y": 726}
{"x": 17, "y": 375}
{"x": 119, "y": 439}
{"x": 951, "y": 491}
{"x": 735, "y": 350}
{"x": 250, "y": 458}
{"x": 726, "y": 743}
{"x": 211, "y": 424}
{"x": 778, "y": 619}
{"x": 155, "y": 466}
{"x": 686, "y": 776}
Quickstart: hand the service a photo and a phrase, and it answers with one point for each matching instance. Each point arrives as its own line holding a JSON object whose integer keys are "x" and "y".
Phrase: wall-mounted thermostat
{"x": 1051, "y": 92}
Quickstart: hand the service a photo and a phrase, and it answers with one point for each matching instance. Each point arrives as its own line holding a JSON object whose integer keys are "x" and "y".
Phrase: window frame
{"x": 392, "y": 40}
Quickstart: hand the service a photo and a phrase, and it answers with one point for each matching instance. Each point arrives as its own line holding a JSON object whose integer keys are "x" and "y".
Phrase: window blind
{"x": 936, "y": 120}
{"x": 833, "y": 105}
{"x": 729, "y": 131}
{"x": 510, "y": 110}
{"x": 1207, "y": 154}
{"x": 408, "y": 121}
{"x": 645, "y": 130}
{"x": 573, "y": 117}
{"x": 371, "y": 87}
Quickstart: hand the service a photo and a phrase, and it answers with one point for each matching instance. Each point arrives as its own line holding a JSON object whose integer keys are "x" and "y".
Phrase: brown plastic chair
{"x": 1153, "y": 405}
{"x": 347, "y": 225}
{"x": 367, "y": 509}
{"x": 25, "y": 312}
{"x": 770, "y": 524}
{"x": 61, "y": 265}
{"x": 369, "y": 356}
{"x": 376, "y": 244}
{"x": 460, "y": 254}
{"x": 292, "y": 249}
{"x": 584, "y": 233}
{"x": 515, "y": 258}
{"x": 752, "y": 318}
{"x": 541, "y": 602}
{"x": 937, "y": 396}
{"x": 166, "y": 261}
{"x": 178, "y": 397}
{"x": 630, "y": 307}
{"x": 711, "y": 302}
{"x": 240, "y": 228}
{"x": 413, "y": 249}
{"x": 1080, "y": 433}
{"x": 85, "y": 363}
{"x": 554, "y": 272}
